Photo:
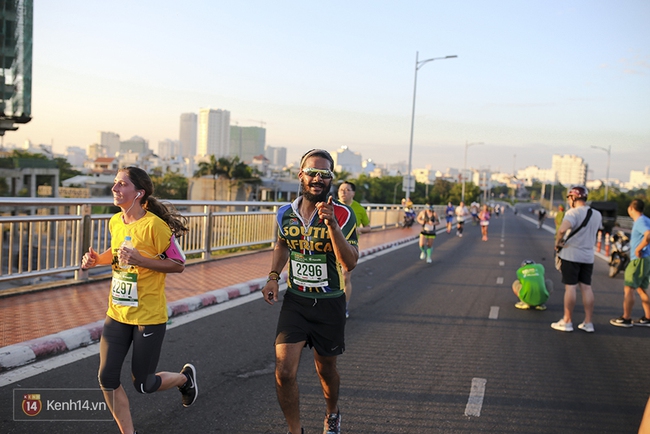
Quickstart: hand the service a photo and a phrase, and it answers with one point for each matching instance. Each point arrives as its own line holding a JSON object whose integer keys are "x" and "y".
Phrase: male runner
{"x": 318, "y": 237}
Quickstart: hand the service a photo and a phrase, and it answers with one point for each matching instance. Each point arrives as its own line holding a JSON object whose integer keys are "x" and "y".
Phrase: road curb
{"x": 13, "y": 356}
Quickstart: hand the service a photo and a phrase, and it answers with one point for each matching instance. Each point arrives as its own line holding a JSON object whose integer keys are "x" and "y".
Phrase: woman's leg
{"x": 113, "y": 347}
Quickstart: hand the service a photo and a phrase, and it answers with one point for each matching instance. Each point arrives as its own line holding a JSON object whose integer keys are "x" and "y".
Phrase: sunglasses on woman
{"x": 312, "y": 172}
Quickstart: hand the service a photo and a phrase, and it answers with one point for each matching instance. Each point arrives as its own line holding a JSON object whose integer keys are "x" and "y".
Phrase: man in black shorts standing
{"x": 318, "y": 236}
{"x": 577, "y": 254}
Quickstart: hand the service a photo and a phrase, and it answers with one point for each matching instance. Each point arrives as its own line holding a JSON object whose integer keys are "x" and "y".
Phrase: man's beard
{"x": 315, "y": 198}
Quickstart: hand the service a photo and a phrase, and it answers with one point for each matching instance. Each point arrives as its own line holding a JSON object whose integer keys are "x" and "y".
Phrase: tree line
{"x": 385, "y": 189}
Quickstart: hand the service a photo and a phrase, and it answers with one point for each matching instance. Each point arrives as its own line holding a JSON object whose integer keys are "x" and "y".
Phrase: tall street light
{"x": 609, "y": 154}
{"x": 418, "y": 64}
{"x": 467, "y": 145}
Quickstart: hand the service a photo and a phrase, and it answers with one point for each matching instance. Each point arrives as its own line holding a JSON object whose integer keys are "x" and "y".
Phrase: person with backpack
{"x": 576, "y": 253}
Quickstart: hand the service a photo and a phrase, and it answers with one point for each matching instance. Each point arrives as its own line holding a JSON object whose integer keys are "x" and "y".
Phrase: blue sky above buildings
{"x": 532, "y": 78}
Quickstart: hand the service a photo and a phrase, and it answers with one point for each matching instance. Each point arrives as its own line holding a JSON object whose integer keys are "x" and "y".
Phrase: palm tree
{"x": 341, "y": 176}
{"x": 231, "y": 169}
{"x": 213, "y": 168}
{"x": 237, "y": 172}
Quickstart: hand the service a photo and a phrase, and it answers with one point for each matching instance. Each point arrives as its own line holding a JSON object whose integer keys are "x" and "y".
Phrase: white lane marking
{"x": 501, "y": 263}
{"x": 46, "y": 365}
{"x": 501, "y": 246}
{"x": 81, "y": 353}
{"x": 502, "y": 252}
{"x": 499, "y": 280}
{"x": 475, "y": 400}
{"x": 270, "y": 369}
{"x": 494, "y": 312}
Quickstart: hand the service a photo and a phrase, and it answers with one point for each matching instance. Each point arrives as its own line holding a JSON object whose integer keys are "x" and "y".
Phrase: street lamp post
{"x": 418, "y": 64}
{"x": 609, "y": 154}
{"x": 467, "y": 145}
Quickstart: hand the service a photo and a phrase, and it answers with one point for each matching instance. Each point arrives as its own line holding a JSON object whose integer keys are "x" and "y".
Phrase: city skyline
{"x": 532, "y": 79}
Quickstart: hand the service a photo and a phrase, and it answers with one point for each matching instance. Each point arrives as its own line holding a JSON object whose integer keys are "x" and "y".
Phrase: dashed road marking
{"x": 494, "y": 312}
{"x": 475, "y": 400}
{"x": 502, "y": 252}
{"x": 501, "y": 263}
{"x": 499, "y": 280}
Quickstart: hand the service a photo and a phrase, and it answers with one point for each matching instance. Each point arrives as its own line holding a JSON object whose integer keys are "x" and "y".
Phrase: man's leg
{"x": 569, "y": 302}
{"x": 587, "y": 301}
{"x": 645, "y": 422}
{"x": 645, "y": 301}
{"x": 516, "y": 287}
{"x": 628, "y": 302}
{"x": 287, "y": 359}
{"x": 329, "y": 380}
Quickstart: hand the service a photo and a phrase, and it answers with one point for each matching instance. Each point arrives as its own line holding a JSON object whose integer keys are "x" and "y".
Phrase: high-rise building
{"x": 276, "y": 155}
{"x": 213, "y": 133}
{"x": 570, "y": 169}
{"x": 348, "y": 161}
{"x": 76, "y": 156}
{"x": 169, "y": 148}
{"x": 135, "y": 144}
{"x": 110, "y": 142}
{"x": 95, "y": 151}
{"x": 187, "y": 134}
{"x": 247, "y": 142}
{"x": 16, "y": 30}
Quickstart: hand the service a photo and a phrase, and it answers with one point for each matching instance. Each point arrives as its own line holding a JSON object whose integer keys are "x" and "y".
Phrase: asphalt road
{"x": 431, "y": 348}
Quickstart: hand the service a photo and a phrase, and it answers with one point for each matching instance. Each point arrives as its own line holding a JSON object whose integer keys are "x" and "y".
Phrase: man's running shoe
{"x": 429, "y": 260}
{"x": 621, "y": 322}
{"x": 332, "y": 423}
{"x": 587, "y": 327}
{"x": 522, "y": 305}
{"x": 562, "y": 326}
{"x": 643, "y": 322}
{"x": 189, "y": 390}
{"x": 423, "y": 255}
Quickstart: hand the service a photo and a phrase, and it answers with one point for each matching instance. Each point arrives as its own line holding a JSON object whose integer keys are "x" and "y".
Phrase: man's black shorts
{"x": 576, "y": 272}
{"x": 320, "y": 323}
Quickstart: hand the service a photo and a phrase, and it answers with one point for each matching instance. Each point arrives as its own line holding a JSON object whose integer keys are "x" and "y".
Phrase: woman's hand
{"x": 89, "y": 259}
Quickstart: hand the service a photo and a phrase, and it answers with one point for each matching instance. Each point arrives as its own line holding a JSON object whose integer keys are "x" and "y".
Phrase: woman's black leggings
{"x": 114, "y": 345}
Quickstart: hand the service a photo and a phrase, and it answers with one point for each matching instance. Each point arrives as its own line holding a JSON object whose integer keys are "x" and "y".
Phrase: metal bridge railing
{"x": 48, "y": 236}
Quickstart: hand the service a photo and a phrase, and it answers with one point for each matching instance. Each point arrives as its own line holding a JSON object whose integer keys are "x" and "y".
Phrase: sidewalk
{"x": 37, "y": 325}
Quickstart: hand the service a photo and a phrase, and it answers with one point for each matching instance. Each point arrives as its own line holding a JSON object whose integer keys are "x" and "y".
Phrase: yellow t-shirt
{"x": 150, "y": 236}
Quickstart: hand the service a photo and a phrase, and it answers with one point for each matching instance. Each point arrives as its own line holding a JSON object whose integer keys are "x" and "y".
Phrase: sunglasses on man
{"x": 312, "y": 172}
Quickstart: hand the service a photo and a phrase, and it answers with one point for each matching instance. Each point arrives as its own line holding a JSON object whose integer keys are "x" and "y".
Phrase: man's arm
{"x": 346, "y": 253}
{"x": 644, "y": 242}
{"x": 280, "y": 258}
{"x": 559, "y": 236}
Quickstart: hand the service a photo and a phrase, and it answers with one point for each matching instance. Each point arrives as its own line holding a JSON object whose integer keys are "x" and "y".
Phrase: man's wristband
{"x": 273, "y": 275}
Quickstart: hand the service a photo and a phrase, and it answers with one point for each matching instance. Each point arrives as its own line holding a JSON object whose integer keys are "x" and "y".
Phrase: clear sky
{"x": 532, "y": 78}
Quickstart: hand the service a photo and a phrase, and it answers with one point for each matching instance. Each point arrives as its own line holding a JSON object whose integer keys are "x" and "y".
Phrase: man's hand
{"x": 271, "y": 291}
{"x": 326, "y": 213}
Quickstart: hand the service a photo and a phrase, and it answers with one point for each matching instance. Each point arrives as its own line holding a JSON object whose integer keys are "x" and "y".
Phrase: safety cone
{"x": 606, "y": 246}
{"x": 599, "y": 241}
